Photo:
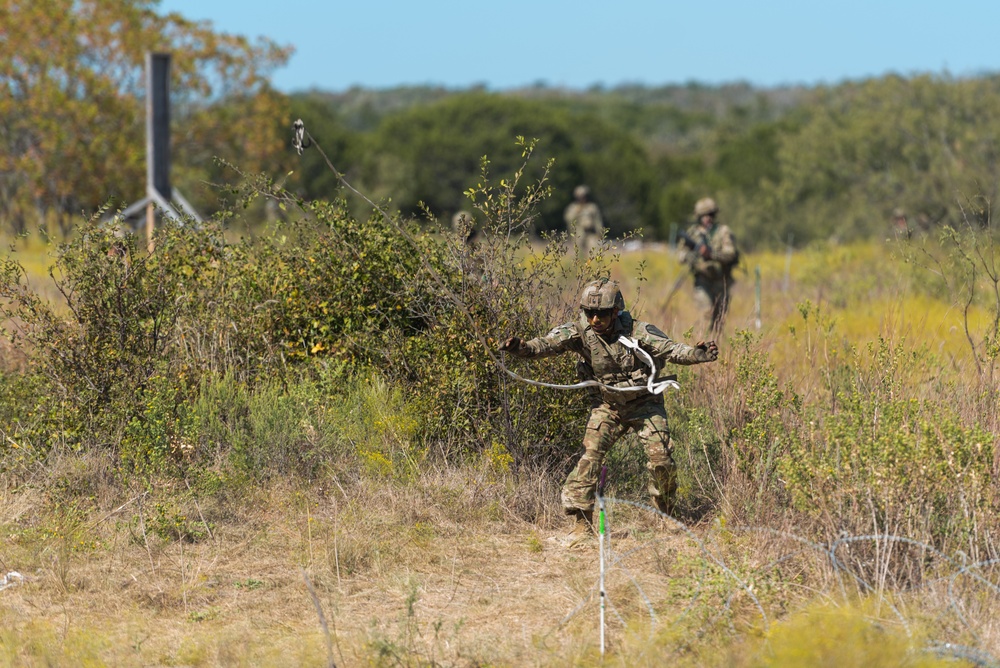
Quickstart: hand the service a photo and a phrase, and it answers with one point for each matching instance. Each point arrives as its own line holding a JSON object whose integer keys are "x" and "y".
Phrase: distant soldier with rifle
{"x": 611, "y": 347}
{"x": 710, "y": 252}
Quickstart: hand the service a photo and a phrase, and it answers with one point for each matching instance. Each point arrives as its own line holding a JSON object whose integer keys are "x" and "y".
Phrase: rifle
{"x": 695, "y": 248}
{"x": 673, "y": 290}
{"x": 690, "y": 243}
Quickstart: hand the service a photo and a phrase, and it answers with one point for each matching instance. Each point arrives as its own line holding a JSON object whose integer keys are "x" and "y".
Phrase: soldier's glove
{"x": 512, "y": 345}
{"x": 706, "y": 351}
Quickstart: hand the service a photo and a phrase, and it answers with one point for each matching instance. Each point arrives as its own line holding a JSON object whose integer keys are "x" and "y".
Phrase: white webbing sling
{"x": 652, "y": 386}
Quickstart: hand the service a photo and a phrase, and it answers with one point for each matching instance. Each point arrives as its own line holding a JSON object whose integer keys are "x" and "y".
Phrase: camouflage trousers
{"x": 712, "y": 300}
{"x": 606, "y": 425}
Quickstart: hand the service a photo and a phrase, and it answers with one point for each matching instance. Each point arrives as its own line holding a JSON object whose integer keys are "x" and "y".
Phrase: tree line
{"x": 801, "y": 163}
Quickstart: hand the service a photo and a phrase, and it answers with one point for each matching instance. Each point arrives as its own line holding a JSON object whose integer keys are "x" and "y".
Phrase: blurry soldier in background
{"x": 465, "y": 228}
{"x": 710, "y": 251}
{"x": 463, "y": 225}
{"x": 596, "y": 339}
{"x": 583, "y": 217}
{"x": 899, "y": 225}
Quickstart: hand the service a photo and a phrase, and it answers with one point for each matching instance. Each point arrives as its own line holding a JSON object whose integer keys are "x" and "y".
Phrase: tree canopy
{"x": 433, "y": 153}
{"x": 72, "y": 82}
{"x": 830, "y": 162}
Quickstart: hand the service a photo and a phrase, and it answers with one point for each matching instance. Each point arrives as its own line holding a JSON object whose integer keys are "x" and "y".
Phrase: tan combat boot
{"x": 582, "y": 529}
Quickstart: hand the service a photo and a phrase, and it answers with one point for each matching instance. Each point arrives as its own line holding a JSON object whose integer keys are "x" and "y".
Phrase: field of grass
{"x": 444, "y": 571}
{"x": 784, "y": 555}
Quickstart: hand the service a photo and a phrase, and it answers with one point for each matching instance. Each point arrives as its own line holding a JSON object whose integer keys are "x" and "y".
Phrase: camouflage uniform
{"x": 584, "y": 216}
{"x": 613, "y": 413}
{"x": 713, "y": 275}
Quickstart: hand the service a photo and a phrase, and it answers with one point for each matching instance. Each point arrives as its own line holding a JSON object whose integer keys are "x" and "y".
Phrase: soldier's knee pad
{"x": 661, "y": 459}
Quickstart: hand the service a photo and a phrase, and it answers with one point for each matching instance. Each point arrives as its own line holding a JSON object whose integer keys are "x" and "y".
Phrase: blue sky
{"x": 576, "y": 44}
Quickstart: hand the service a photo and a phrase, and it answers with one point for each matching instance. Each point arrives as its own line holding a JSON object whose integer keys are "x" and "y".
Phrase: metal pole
{"x": 601, "y": 530}
{"x": 757, "y": 292}
{"x": 158, "y": 123}
{"x": 157, "y": 131}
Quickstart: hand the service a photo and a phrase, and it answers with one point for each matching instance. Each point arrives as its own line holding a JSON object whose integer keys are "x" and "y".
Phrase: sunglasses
{"x": 599, "y": 312}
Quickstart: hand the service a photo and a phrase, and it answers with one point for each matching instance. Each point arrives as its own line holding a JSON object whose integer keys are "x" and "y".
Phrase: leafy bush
{"x": 33, "y": 417}
{"x": 100, "y": 348}
{"x": 272, "y": 429}
{"x": 200, "y": 347}
{"x": 900, "y": 464}
{"x": 379, "y": 425}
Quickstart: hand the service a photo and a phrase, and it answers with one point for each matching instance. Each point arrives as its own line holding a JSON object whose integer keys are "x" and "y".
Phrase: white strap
{"x": 11, "y": 579}
{"x": 651, "y": 386}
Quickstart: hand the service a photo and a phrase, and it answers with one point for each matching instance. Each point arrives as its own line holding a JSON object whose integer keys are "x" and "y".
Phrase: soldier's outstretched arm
{"x": 561, "y": 339}
{"x": 665, "y": 350}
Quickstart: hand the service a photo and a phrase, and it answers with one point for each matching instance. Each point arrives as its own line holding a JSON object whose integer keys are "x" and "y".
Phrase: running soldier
{"x": 597, "y": 339}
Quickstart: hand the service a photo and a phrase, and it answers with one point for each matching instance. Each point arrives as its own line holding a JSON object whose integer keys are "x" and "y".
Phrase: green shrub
{"x": 201, "y": 351}
{"x": 849, "y": 637}
{"x": 33, "y": 418}
{"x": 378, "y": 423}
{"x": 102, "y": 345}
{"x": 910, "y": 466}
{"x": 259, "y": 432}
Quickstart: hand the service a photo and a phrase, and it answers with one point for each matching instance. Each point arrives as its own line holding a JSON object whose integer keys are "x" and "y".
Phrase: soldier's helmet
{"x": 463, "y": 223}
{"x": 705, "y": 206}
{"x": 460, "y": 219}
{"x": 581, "y": 192}
{"x": 602, "y": 294}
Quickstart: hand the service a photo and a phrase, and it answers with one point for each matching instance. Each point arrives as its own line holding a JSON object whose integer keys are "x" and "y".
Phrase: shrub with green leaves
{"x": 99, "y": 348}
{"x": 884, "y": 459}
{"x": 321, "y": 298}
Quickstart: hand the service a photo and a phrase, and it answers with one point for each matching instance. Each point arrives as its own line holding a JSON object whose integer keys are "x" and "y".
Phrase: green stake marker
{"x": 601, "y": 530}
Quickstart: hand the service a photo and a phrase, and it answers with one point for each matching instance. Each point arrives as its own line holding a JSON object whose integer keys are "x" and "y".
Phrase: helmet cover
{"x": 705, "y": 206}
{"x": 602, "y": 294}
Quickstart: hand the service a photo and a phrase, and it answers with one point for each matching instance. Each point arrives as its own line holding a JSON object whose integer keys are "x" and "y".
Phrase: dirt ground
{"x": 435, "y": 575}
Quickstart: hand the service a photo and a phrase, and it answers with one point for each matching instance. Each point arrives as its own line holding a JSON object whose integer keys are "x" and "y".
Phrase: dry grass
{"x": 455, "y": 568}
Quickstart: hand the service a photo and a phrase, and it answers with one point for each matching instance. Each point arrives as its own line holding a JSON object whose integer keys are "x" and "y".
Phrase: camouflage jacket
{"x": 586, "y": 215}
{"x": 723, "y": 255}
{"x": 605, "y": 359}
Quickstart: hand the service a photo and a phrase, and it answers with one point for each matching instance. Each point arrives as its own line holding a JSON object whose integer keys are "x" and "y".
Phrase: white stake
{"x": 601, "y": 529}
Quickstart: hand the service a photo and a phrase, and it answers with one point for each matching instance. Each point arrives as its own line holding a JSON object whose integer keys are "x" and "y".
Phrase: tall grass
{"x": 866, "y": 403}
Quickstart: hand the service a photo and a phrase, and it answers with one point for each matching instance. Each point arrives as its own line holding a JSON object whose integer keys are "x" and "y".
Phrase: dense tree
{"x": 71, "y": 102}
{"x": 792, "y": 163}
{"x": 432, "y": 154}
{"x": 927, "y": 145}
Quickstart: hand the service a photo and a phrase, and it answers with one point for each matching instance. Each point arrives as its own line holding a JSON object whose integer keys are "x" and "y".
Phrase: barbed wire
{"x": 851, "y": 579}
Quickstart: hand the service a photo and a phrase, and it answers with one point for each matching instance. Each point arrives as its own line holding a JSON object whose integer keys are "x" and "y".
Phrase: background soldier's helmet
{"x": 459, "y": 219}
{"x": 602, "y": 294}
{"x": 581, "y": 192}
{"x": 705, "y": 206}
